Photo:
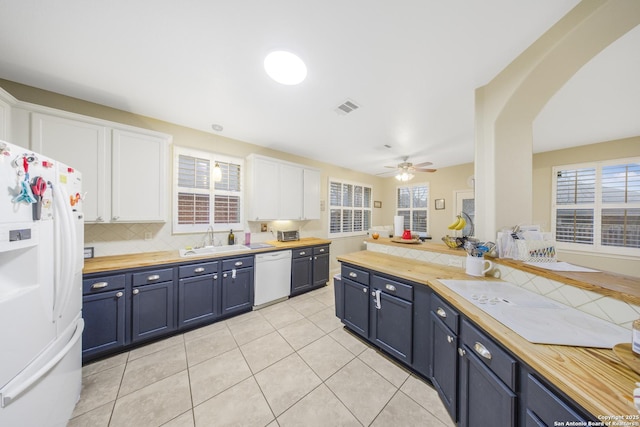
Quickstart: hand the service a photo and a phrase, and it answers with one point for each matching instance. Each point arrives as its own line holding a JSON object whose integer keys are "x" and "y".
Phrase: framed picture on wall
{"x": 377, "y": 204}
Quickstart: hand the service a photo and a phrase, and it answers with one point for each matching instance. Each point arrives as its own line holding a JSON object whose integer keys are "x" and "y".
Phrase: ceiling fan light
{"x": 404, "y": 176}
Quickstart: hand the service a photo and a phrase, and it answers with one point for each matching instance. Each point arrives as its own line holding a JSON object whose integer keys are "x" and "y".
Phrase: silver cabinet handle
{"x": 215, "y": 277}
{"x": 225, "y": 275}
{"x": 99, "y": 285}
{"x": 482, "y": 350}
{"x": 153, "y": 277}
{"x": 315, "y": 257}
{"x": 115, "y": 218}
{"x": 377, "y": 298}
{"x": 352, "y": 274}
{"x": 136, "y": 291}
{"x": 449, "y": 339}
{"x": 365, "y": 290}
{"x": 461, "y": 352}
{"x": 198, "y": 270}
{"x": 390, "y": 287}
{"x": 119, "y": 295}
{"x": 303, "y": 253}
{"x": 238, "y": 263}
{"x": 321, "y": 250}
{"x": 440, "y": 312}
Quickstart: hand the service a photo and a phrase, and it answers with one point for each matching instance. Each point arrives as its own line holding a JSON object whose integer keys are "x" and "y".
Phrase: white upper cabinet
{"x": 278, "y": 190}
{"x": 311, "y": 194}
{"x": 6, "y": 100}
{"x": 124, "y": 171}
{"x": 139, "y": 171}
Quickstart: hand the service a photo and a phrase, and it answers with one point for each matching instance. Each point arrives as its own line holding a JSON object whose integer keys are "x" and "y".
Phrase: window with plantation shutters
{"x": 349, "y": 208}
{"x": 596, "y": 207}
{"x": 201, "y": 202}
{"x": 412, "y": 203}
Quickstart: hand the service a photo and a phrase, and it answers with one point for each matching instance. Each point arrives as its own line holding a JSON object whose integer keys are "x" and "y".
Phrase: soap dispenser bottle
{"x": 232, "y": 239}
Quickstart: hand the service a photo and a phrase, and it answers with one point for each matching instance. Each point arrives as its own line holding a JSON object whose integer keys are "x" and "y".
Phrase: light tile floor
{"x": 289, "y": 364}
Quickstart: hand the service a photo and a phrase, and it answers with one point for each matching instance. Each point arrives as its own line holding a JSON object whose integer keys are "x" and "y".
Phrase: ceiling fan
{"x": 404, "y": 171}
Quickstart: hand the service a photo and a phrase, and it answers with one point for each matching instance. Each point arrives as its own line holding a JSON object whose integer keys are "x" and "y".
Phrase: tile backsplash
{"x": 607, "y": 308}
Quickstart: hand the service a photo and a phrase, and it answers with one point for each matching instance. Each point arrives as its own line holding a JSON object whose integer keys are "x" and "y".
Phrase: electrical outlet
{"x": 263, "y": 227}
{"x": 455, "y": 262}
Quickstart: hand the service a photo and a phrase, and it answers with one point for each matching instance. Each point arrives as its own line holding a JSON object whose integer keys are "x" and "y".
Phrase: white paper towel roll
{"x": 398, "y": 225}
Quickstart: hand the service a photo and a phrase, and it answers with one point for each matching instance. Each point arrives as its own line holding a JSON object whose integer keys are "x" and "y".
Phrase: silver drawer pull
{"x": 198, "y": 270}
{"x": 449, "y": 339}
{"x": 365, "y": 290}
{"x": 482, "y": 350}
{"x": 99, "y": 285}
{"x": 440, "y": 312}
{"x": 225, "y": 275}
{"x": 352, "y": 274}
{"x": 153, "y": 277}
{"x": 136, "y": 291}
{"x": 461, "y": 351}
{"x": 303, "y": 253}
{"x": 215, "y": 277}
{"x": 321, "y": 250}
{"x": 390, "y": 287}
{"x": 119, "y": 295}
{"x": 238, "y": 263}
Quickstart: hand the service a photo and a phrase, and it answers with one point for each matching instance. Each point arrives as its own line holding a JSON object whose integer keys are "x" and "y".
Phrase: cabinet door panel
{"x": 265, "y": 190}
{"x": 198, "y": 300}
{"x": 483, "y": 396}
{"x": 237, "y": 292}
{"x": 356, "y": 307}
{"x": 320, "y": 270}
{"x": 83, "y": 146}
{"x": 152, "y": 310}
{"x": 290, "y": 192}
{"x": 311, "y": 194}
{"x": 301, "y": 274}
{"x": 391, "y": 326}
{"x": 444, "y": 366}
{"x": 104, "y": 319}
{"x": 139, "y": 177}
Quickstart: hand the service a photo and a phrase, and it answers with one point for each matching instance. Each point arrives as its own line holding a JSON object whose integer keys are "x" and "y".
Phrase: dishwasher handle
{"x": 273, "y": 256}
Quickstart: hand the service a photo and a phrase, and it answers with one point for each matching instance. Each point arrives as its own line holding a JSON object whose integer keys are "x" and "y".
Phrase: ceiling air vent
{"x": 347, "y": 107}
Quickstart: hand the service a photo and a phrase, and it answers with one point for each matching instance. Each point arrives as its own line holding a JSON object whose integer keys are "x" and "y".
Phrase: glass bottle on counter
{"x": 232, "y": 239}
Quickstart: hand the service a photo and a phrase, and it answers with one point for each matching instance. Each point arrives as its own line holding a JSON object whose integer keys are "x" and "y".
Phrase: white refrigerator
{"x": 41, "y": 261}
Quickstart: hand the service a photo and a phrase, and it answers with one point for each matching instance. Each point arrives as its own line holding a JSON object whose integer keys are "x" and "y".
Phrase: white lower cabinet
{"x": 124, "y": 171}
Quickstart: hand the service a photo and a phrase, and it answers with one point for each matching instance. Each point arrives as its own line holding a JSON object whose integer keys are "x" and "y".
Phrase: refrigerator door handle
{"x": 10, "y": 392}
{"x": 66, "y": 246}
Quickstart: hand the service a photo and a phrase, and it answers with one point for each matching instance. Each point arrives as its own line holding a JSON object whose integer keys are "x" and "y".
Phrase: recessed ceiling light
{"x": 285, "y": 67}
{"x": 217, "y": 127}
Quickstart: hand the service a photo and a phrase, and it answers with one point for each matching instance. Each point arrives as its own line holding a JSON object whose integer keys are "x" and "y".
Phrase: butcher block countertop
{"x": 618, "y": 286}
{"x": 150, "y": 259}
{"x": 594, "y": 378}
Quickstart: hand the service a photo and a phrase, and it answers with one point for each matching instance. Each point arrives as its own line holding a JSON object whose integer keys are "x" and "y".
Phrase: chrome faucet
{"x": 208, "y": 236}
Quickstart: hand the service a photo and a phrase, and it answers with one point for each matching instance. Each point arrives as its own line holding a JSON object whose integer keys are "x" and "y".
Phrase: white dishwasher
{"x": 272, "y": 280}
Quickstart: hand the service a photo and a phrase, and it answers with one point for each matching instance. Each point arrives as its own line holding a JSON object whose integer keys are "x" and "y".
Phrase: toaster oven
{"x": 288, "y": 236}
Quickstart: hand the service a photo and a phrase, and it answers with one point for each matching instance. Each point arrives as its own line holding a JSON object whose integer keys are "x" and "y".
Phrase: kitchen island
{"x": 595, "y": 379}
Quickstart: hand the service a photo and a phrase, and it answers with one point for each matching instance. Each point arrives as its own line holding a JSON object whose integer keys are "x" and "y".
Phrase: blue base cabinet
{"x": 152, "y": 306}
{"x": 478, "y": 380}
{"x": 237, "y": 285}
{"x": 198, "y": 294}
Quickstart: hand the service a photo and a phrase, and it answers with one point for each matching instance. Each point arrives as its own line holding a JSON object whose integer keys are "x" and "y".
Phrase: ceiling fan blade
{"x": 425, "y": 170}
{"x": 421, "y": 165}
{"x": 391, "y": 167}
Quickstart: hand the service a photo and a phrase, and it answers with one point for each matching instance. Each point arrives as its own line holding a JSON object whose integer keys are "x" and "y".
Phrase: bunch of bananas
{"x": 458, "y": 224}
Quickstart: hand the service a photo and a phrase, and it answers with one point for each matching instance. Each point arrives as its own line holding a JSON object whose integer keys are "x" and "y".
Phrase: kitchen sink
{"x": 537, "y": 318}
{"x": 212, "y": 250}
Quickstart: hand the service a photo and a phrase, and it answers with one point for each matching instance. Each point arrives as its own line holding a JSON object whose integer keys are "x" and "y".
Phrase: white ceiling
{"x": 412, "y": 66}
